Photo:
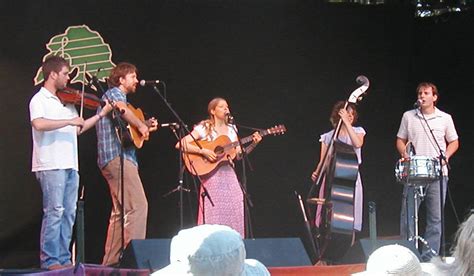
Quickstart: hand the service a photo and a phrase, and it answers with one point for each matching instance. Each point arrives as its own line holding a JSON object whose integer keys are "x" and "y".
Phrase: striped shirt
{"x": 108, "y": 144}
{"x": 414, "y": 129}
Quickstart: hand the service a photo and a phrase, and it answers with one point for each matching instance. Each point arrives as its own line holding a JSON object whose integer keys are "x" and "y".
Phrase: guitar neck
{"x": 245, "y": 140}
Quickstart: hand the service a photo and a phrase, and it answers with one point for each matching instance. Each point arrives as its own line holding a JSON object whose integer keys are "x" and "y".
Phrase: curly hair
{"x": 334, "y": 118}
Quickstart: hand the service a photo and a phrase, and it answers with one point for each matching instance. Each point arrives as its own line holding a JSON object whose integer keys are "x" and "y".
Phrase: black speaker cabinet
{"x": 360, "y": 252}
{"x": 151, "y": 254}
{"x": 273, "y": 252}
{"x": 154, "y": 254}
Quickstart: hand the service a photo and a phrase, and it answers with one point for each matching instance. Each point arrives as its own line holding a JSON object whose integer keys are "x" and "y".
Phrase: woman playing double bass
{"x": 350, "y": 135}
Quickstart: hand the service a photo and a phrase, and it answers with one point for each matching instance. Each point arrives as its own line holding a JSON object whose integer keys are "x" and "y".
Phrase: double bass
{"x": 339, "y": 172}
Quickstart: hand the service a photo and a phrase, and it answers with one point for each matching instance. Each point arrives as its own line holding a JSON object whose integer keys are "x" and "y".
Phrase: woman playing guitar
{"x": 221, "y": 183}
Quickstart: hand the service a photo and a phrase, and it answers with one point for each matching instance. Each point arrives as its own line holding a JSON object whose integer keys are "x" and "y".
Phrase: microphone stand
{"x": 441, "y": 158}
{"x": 243, "y": 186}
{"x": 119, "y": 125}
{"x": 182, "y": 127}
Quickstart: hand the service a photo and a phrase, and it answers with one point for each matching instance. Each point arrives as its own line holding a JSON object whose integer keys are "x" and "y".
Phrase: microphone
{"x": 229, "y": 118}
{"x": 169, "y": 125}
{"x": 149, "y": 82}
{"x": 417, "y": 104}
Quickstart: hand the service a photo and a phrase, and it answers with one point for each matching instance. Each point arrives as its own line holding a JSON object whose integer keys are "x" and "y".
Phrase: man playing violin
{"x": 55, "y": 127}
{"x": 123, "y": 81}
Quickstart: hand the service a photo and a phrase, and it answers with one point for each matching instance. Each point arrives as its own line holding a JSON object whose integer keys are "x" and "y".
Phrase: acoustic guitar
{"x": 131, "y": 135}
{"x": 224, "y": 149}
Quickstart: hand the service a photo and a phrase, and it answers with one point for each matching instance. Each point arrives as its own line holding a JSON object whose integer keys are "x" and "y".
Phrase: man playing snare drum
{"x": 414, "y": 129}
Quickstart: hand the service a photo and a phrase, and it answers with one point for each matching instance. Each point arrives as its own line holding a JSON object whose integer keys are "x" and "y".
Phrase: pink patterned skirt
{"x": 224, "y": 190}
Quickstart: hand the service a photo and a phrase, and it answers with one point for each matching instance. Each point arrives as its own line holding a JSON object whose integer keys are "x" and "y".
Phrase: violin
{"x": 72, "y": 96}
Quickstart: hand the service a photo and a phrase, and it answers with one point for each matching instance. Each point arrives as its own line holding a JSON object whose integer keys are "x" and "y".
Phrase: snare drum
{"x": 417, "y": 170}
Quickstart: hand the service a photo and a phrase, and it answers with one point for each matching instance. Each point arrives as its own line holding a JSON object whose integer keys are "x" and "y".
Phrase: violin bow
{"x": 83, "y": 88}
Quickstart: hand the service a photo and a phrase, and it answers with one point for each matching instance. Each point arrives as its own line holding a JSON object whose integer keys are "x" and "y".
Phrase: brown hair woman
{"x": 350, "y": 135}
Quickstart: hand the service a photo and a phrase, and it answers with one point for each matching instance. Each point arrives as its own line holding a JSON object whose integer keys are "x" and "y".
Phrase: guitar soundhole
{"x": 219, "y": 150}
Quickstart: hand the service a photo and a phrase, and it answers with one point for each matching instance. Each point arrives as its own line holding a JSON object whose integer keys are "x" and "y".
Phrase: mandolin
{"x": 224, "y": 149}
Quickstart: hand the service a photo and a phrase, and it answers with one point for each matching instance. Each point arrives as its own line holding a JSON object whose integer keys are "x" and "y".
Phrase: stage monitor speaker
{"x": 151, "y": 254}
{"x": 360, "y": 252}
{"x": 273, "y": 252}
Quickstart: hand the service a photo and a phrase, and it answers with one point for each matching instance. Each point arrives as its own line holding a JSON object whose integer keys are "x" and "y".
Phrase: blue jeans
{"x": 60, "y": 188}
{"x": 433, "y": 214}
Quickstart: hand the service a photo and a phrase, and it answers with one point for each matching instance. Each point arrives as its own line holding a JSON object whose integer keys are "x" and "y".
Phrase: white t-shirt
{"x": 54, "y": 149}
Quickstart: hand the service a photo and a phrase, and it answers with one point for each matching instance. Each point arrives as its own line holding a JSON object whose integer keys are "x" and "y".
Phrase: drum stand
{"x": 418, "y": 192}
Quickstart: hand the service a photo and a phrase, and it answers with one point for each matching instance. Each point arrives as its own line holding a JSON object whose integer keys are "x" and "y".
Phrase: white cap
{"x": 393, "y": 260}
{"x": 210, "y": 250}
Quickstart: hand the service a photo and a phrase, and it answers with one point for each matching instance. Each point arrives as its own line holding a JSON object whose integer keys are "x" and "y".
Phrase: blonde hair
{"x": 209, "y": 123}
{"x": 463, "y": 251}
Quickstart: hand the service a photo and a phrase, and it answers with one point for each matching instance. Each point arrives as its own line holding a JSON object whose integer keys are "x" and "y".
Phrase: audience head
{"x": 462, "y": 251}
{"x": 210, "y": 250}
{"x": 393, "y": 260}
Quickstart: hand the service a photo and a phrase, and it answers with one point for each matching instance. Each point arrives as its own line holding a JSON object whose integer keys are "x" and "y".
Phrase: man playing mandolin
{"x": 123, "y": 81}
{"x": 221, "y": 183}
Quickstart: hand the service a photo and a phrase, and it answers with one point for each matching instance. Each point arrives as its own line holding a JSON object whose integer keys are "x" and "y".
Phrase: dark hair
{"x": 334, "y": 119}
{"x": 428, "y": 84}
{"x": 53, "y": 64}
{"x": 120, "y": 71}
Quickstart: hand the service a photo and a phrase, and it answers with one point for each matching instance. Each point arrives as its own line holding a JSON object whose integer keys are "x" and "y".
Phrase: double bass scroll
{"x": 355, "y": 96}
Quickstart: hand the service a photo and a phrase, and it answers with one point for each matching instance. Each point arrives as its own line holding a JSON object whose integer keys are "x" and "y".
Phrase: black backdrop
{"x": 276, "y": 62}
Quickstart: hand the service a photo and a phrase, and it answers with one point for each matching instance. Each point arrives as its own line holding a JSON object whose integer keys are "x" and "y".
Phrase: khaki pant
{"x": 135, "y": 207}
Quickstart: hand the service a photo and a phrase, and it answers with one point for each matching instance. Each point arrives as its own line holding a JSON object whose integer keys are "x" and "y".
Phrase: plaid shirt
{"x": 108, "y": 144}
